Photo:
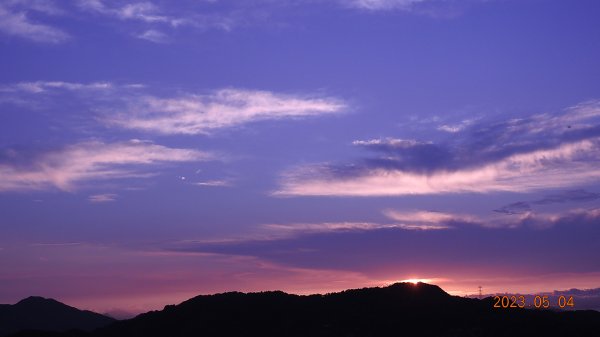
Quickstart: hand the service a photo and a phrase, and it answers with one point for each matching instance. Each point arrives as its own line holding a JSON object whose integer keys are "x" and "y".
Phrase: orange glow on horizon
{"x": 416, "y": 280}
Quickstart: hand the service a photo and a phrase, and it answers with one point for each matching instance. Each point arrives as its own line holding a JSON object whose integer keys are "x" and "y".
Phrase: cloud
{"x": 290, "y": 230}
{"x": 198, "y": 16}
{"x": 213, "y": 183}
{"x": 566, "y": 196}
{"x": 145, "y": 12}
{"x": 15, "y": 22}
{"x": 453, "y": 128}
{"x": 432, "y": 8}
{"x": 202, "y": 114}
{"x": 389, "y": 143}
{"x": 274, "y": 232}
{"x": 521, "y": 207}
{"x": 427, "y": 220}
{"x": 566, "y": 165}
{"x": 43, "y": 6}
{"x": 89, "y": 161}
{"x": 384, "y": 4}
{"x": 102, "y": 198}
{"x": 519, "y": 155}
{"x": 131, "y": 106}
{"x": 518, "y": 207}
{"x": 46, "y": 95}
{"x": 488, "y": 248}
{"x": 153, "y": 35}
{"x": 152, "y": 19}
{"x": 45, "y": 86}
{"x": 56, "y": 244}
{"x": 525, "y": 219}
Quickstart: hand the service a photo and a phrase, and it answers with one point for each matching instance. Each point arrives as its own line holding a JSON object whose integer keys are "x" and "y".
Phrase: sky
{"x": 151, "y": 151}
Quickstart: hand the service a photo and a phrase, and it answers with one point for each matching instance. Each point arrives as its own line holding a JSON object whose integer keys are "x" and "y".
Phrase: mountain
{"x": 402, "y": 309}
{"x": 47, "y": 314}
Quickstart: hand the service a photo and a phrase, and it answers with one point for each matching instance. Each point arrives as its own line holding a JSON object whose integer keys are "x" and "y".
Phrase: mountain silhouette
{"x": 402, "y": 309}
{"x": 38, "y": 313}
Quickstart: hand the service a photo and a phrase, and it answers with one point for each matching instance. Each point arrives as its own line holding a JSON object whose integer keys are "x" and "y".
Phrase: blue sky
{"x": 154, "y": 150}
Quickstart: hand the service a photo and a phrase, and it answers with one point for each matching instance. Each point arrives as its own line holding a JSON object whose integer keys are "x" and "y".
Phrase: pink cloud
{"x": 94, "y": 160}
{"x": 563, "y": 166}
{"x": 201, "y": 114}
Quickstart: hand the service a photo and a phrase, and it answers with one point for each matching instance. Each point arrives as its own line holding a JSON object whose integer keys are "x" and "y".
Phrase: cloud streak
{"x": 14, "y": 21}
{"x": 139, "y": 11}
{"x": 491, "y": 250}
{"x": 213, "y": 183}
{"x": 131, "y": 106}
{"x": 46, "y": 86}
{"x": 540, "y": 152}
{"x": 202, "y": 114}
{"x": 89, "y": 161}
{"x": 384, "y": 4}
{"x": 102, "y": 198}
{"x": 526, "y": 219}
{"x": 154, "y": 35}
{"x": 521, "y": 207}
{"x": 147, "y": 20}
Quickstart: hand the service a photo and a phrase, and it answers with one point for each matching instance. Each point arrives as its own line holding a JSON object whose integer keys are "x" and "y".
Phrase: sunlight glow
{"x": 417, "y": 280}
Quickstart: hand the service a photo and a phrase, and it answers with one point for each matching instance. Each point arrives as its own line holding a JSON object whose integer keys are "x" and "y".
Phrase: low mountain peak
{"x": 420, "y": 286}
{"x": 40, "y": 313}
{"x": 36, "y": 300}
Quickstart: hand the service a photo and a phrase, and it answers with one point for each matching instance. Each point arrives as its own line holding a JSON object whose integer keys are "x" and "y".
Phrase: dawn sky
{"x": 151, "y": 151}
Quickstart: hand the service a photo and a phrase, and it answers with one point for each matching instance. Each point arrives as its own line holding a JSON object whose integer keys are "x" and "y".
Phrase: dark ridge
{"x": 38, "y": 313}
{"x": 402, "y": 309}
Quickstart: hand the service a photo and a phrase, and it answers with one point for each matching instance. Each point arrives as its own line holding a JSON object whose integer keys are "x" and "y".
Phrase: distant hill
{"x": 47, "y": 314}
{"x": 402, "y": 309}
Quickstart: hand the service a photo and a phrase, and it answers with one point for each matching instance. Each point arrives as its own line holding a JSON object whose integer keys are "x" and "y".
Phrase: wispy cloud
{"x": 453, "y": 128}
{"x": 427, "y": 220}
{"x": 42, "y": 95}
{"x": 102, "y": 198}
{"x": 48, "y": 7}
{"x": 213, "y": 183}
{"x": 275, "y": 232}
{"x": 44, "y": 86}
{"x": 526, "y": 219}
{"x": 141, "y": 11}
{"x": 202, "y": 114}
{"x": 136, "y": 106}
{"x": 14, "y": 21}
{"x": 154, "y": 35}
{"x": 521, "y": 207}
{"x": 156, "y": 21}
{"x": 384, "y": 4}
{"x": 289, "y": 230}
{"x": 94, "y": 160}
{"x": 389, "y": 143}
{"x": 496, "y": 248}
{"x": 432, "y": 8}
{"x": 411, "y": 221}
{"x": 56, "y": 244}
{"x": 539, "y": 152}
{"x": 564, "y": 166}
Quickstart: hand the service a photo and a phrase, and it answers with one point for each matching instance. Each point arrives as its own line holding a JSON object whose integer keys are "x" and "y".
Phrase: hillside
{"x": 402, "y": 309}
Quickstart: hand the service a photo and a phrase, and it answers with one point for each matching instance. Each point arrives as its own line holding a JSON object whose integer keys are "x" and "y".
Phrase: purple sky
{"x": 152, "y": 151}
